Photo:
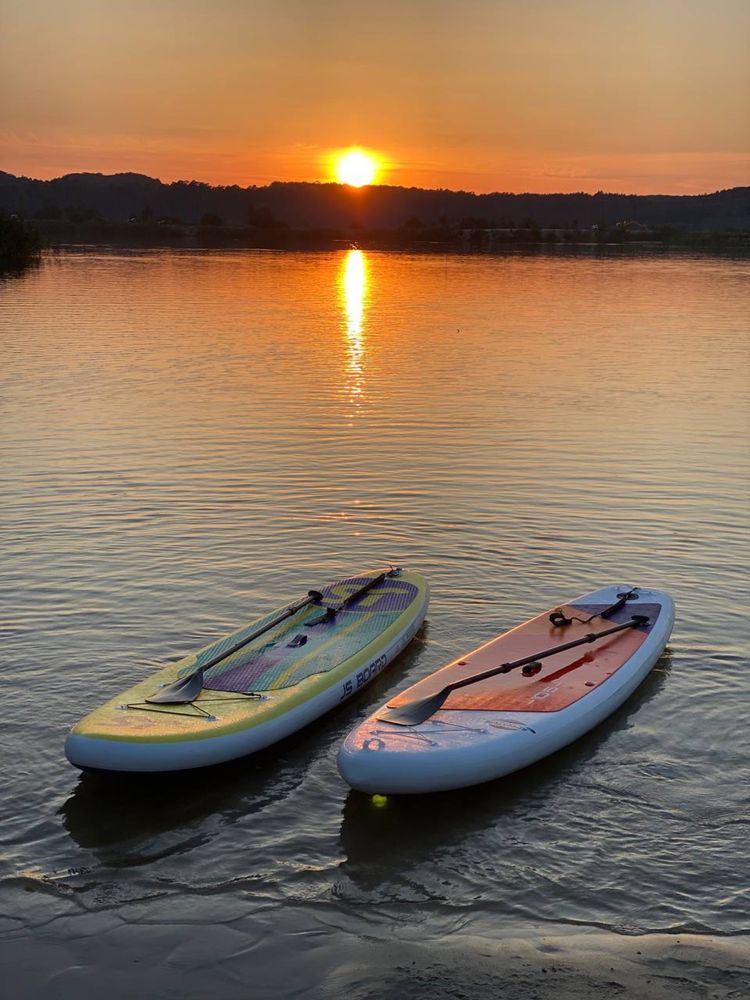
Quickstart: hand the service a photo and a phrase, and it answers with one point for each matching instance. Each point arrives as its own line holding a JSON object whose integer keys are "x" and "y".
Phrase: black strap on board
{"x": 559, "y": 618}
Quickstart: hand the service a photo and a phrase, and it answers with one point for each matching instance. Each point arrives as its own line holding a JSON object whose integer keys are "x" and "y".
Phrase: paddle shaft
{"x": 505, "y": 668}
{"x": 187, "y": 689}
{"x": 314, "y": 596}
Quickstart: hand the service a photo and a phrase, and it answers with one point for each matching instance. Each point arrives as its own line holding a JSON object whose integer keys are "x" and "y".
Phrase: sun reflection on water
{"x": 353, "y": 289}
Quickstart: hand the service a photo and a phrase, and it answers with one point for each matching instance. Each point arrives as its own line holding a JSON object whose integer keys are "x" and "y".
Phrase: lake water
{"x": 190, "y": 439}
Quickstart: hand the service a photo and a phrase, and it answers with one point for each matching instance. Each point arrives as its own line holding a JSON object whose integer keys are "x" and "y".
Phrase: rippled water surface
{"x": 191, "y": 439}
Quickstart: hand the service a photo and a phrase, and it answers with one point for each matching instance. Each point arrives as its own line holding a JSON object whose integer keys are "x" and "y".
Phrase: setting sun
{"x": 356, "y": 167}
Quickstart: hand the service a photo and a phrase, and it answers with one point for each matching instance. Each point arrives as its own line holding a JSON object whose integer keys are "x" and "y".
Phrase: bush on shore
{"x": 20, "y": 243}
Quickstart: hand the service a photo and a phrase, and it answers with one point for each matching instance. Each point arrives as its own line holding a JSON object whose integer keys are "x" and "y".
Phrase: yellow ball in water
{"x": 379, "y": 801}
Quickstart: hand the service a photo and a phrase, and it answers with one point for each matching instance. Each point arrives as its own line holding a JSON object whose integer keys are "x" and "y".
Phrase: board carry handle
{"x": 419, "y": 710}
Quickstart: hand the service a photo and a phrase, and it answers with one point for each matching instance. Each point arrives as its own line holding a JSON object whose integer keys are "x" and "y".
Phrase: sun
{"x": 356, "y": 167}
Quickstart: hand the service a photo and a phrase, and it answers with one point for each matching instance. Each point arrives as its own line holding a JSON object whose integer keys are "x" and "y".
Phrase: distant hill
{"x": 120, "y": 197}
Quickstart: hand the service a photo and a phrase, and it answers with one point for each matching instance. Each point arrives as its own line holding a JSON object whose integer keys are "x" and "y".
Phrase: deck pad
{"x": 564, "y": 678}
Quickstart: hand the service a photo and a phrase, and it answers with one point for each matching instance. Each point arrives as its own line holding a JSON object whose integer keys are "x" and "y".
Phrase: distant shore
{"x": 296, "y": 215}
{"x": 424, "y": 238}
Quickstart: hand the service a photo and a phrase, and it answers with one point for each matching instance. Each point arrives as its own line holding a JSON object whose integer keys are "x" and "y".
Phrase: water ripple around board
{"x": 191, "y": 439}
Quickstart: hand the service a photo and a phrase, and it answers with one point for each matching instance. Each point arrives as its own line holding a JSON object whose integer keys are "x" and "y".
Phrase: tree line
{"x": 136, "y": 199}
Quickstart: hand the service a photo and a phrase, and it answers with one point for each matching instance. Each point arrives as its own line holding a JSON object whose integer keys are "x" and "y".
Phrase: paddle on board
{"x": 187, "y": 689}
{"x": 419, "y": 710}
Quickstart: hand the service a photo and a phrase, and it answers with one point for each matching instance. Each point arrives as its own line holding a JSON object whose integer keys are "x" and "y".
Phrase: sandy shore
{"x": 300, "y": 954}
{"x": 565, "y": 967}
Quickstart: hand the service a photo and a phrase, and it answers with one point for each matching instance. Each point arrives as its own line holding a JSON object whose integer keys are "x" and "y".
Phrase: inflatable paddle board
{"x": 541, "y": 685}
{"x": 246, "y": 691}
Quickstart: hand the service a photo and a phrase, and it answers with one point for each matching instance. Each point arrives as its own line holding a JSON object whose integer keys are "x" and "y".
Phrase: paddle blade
{"x": 414, "y": 712}
{"x": 181, "y": 692}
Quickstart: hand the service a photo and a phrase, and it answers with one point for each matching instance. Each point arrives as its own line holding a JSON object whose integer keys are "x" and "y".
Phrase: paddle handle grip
{"x": 333, "y": 609}
{"x": 362, "y": 590}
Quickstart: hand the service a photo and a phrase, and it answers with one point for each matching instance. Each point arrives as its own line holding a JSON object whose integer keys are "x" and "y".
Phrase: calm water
{"x": 191, "y": 439}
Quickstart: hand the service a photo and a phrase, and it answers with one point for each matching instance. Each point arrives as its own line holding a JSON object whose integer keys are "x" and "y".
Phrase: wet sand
{"x": 295, "y": 956}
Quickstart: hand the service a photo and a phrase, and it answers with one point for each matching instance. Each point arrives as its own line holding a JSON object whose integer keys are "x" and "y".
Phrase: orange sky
{"x": 511, "y": 95}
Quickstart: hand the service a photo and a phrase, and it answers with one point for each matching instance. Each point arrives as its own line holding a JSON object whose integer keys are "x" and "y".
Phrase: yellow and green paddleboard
{"x": 258, "y": 685}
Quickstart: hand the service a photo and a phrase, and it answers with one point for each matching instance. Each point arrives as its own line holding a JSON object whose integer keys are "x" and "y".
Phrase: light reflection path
{"x": 353, "y": 292}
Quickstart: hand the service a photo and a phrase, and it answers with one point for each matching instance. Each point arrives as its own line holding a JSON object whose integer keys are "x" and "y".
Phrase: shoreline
{"x": 425, "y": 239}
{"x": 373, "y": 959}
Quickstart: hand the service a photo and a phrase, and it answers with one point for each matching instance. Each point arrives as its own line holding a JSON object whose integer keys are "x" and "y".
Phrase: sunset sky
{"x": 486, "y": 95}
